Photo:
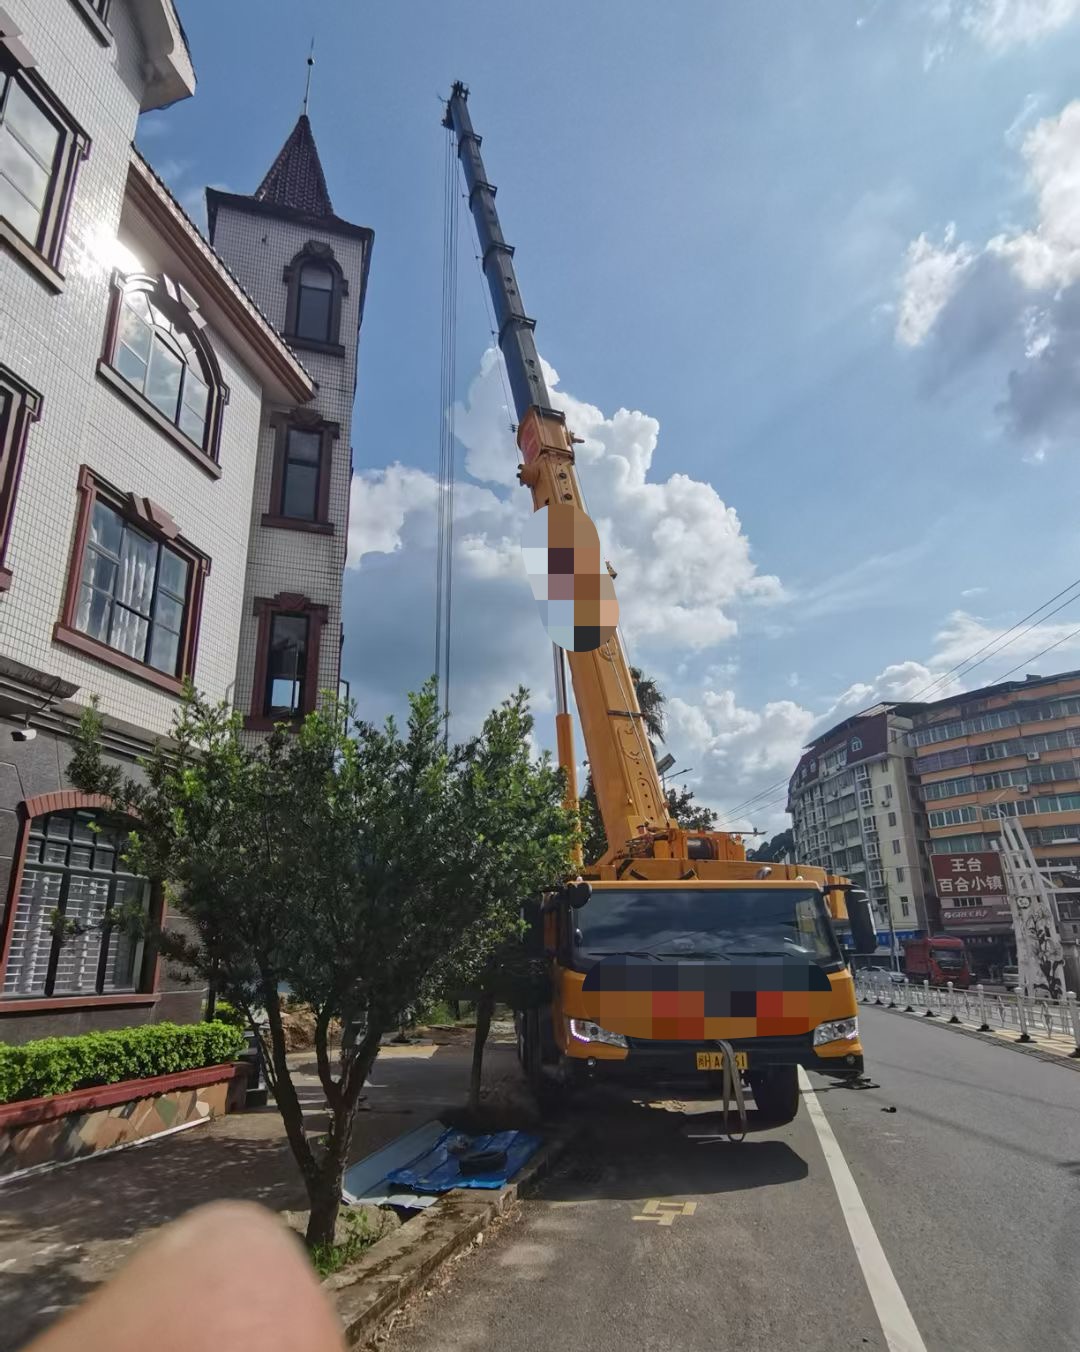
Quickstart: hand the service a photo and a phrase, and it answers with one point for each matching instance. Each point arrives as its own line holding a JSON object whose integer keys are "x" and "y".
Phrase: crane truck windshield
{"x": 700, "y": 923}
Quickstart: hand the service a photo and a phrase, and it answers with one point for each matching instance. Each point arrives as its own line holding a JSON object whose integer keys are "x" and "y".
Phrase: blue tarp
{"x": 437, "y": 1169}
{"x": 365, "y": 1181}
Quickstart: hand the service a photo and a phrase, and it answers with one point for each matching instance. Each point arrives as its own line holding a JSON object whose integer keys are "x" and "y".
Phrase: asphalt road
{"x": 972, "y": 1187}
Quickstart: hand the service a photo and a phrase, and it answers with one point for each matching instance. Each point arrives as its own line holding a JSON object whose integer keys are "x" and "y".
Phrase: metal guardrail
{"x": 1031, "y": 1016}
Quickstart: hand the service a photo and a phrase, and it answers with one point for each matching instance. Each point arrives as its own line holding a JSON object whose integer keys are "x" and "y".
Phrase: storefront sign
{"x": 966, "y": 875}
{"x": 975, "y": 915}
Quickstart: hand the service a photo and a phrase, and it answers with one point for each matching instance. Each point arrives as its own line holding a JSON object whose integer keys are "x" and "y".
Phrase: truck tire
{"x": 776, "y": 1093}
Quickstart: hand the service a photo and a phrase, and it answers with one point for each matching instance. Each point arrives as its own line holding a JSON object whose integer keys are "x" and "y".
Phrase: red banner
{"x": 967, "y": 875}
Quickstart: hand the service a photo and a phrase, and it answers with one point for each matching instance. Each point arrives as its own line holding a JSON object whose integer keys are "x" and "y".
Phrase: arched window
{"x": 75, "y": 920}
{"x": 314, "y": 302}
{"x": 159, "y": 348}
{"x": 317, "y": 287}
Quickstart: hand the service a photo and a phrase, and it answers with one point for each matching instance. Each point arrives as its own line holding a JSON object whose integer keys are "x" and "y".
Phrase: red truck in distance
{"x": 939, "y": 960}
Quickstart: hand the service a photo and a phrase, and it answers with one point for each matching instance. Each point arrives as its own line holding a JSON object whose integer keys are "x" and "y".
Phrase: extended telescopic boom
{"x": 628, "y": 789}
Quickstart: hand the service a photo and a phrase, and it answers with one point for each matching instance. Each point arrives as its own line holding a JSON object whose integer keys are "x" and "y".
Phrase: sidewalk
{"x": 64, "y": 1232}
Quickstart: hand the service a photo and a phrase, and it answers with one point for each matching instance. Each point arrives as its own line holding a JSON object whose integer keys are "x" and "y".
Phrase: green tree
{"x": 781, "y": 844}
{"x": 688, "y": 812}
{"x": 528, "y": 844}
{"x": 651, "y": 702}
{"x": 341, "y": 859}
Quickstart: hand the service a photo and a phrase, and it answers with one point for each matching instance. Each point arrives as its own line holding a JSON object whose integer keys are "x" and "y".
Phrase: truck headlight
{"x": 837, "y": 1030}
{"x": 584, "y": 1030}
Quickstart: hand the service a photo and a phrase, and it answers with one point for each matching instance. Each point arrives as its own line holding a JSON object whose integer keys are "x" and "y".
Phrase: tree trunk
{"x": 288, "y": 1103}
{"x": 324, "y": 1188}
{"x": 485, "y": 1007}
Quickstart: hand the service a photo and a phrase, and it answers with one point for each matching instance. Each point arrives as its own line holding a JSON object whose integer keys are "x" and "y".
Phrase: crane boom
{"x": 630, "y": 796}
{"x": 628, "y": 789}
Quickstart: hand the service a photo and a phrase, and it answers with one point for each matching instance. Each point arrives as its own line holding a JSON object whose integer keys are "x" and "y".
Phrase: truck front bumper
{"x": 673, "y": 1064}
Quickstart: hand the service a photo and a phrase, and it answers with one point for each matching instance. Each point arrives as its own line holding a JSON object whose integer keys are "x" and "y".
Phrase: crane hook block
{"x": 575, "y": 595}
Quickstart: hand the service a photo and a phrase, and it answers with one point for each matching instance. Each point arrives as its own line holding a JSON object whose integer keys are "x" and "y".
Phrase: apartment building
{"x": 174, "y": 475}
{"x": 1011, "y": 749}
{"x": 854, "y": 813}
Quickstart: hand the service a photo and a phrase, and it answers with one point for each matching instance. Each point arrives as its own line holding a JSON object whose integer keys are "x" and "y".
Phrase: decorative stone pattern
{"x": 136, "y": 1116}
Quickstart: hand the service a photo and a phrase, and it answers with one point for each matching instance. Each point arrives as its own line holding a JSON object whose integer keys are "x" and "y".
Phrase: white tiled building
{"x": 855, "y": 813}
{"x": 174, "y": 470}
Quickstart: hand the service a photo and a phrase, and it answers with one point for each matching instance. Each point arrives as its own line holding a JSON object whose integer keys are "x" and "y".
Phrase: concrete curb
{"x": 393, "y": 1268}
{"x": 1055, "y": 1058}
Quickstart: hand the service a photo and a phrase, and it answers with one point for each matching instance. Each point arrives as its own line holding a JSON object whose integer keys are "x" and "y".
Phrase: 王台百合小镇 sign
{"x": 968, "y": 875}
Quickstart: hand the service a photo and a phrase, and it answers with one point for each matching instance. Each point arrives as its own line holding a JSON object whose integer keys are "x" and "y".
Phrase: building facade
{"x": 1006, "y": 750}
{"x": 160, "y": 518}
{"x": 854, "y": 812}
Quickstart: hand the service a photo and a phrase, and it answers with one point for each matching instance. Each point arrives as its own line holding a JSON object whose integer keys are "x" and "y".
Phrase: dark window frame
{"x": 20, "y": 405}
{"x": 147, "y": 971}
{"x": 96, "y": 15}
{"x": 182, "y": 309}
{"x": 43, "y": 254}
{"x": 150, "y": 519}
{"x": 321, "y": 254}
{"x": 265, "y": 609}
{"x": 302, "y": 420}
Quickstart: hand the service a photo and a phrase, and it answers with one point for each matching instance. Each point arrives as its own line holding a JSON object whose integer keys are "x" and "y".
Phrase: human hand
{"x": 224, "y": 1278}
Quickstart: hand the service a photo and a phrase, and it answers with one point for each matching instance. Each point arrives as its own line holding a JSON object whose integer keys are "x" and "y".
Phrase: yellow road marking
{"x": 664, "y": 1213}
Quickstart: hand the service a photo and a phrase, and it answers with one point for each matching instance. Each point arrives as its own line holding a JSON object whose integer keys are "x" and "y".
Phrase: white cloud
{"x": 973, "y": 591}
{"x": 931, "y": 276}
{"x": 1049, "y": 255}
{"x": 1002, "y": 24}
{"x": 1018, "y": 293}
{"x": 998, "y": 26}
{"x": 684, "y": 565}
{"x": 683, "y": 561}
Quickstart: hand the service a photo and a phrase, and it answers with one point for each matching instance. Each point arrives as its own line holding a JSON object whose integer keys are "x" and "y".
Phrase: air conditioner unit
{"x": 1023, "y": 788}
{"x": 1033, "y": 755}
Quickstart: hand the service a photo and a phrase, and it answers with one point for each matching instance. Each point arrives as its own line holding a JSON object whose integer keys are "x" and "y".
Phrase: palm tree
{"x": 651, "y": 702}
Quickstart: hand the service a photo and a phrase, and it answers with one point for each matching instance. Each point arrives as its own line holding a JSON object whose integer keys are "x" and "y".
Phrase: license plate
{"x": 715, "y": 1061}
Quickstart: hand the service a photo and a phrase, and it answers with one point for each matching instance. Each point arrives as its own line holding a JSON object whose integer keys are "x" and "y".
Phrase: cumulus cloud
{"x": 742, "y": 756}
{"x": 931, "y": 276}
{"x": 684, "y": 564}
{"x": 1003, "y": 24}
{"x": 998, "y": 26}
{"x": 1019, "y": 293}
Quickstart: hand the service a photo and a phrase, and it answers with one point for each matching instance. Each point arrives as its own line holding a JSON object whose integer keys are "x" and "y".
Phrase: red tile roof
{"x": 296, "y": 178}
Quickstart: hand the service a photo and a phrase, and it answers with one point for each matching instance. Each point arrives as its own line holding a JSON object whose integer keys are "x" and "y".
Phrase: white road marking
{"x": 897, "y": 1324}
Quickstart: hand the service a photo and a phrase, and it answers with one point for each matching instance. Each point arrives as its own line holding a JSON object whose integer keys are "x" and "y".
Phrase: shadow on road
{"x": 633, "y": 1151}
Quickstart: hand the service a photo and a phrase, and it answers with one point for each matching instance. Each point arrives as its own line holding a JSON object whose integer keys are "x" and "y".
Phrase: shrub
{"x": 57, "y": 1065}
{"x": 225, "y": 1012}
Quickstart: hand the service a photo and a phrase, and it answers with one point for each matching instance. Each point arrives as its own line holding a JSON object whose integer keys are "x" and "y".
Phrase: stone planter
{"x": 37, "y": 1133}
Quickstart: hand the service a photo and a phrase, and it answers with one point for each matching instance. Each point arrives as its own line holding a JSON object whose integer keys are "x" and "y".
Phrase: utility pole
{"x": 894, "y": 954}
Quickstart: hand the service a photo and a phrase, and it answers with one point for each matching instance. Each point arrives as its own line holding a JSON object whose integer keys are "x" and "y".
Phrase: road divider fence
{"x": 1032, "y": 1018}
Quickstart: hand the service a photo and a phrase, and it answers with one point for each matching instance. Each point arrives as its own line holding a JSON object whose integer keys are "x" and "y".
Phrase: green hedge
{"x": 56, "y": 1065}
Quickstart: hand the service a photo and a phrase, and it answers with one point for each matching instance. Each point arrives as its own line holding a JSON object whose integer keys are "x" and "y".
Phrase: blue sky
{"x": 827, "y": 254}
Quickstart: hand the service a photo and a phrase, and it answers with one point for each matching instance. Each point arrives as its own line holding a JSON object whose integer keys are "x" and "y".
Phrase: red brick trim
{"x": 63, "y": 801}
{"x": 28, "y": 1112}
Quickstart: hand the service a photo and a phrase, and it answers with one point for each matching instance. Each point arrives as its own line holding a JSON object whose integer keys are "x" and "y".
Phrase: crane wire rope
{"x": 444, "y": 554}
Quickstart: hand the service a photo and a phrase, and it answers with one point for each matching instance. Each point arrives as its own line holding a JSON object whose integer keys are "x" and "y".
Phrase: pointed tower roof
{"x": 296, "y": 178}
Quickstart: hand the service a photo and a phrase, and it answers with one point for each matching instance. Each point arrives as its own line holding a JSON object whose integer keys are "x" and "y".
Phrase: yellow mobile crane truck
{"x": 673, "y": 958}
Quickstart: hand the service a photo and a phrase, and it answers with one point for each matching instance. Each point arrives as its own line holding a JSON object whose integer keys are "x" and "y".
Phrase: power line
{"x": 1000, "y": 647}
